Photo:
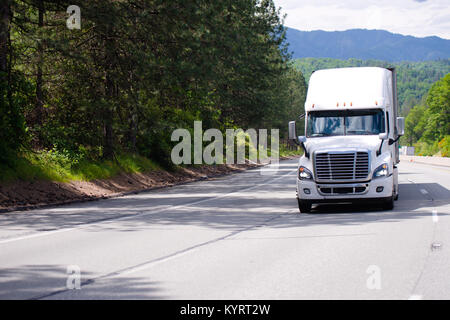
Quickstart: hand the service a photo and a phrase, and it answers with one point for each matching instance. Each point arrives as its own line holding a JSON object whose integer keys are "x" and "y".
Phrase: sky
{"x": 419, "y": 18}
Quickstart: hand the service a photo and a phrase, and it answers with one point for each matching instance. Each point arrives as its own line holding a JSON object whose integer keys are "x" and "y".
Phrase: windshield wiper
{"x": 365, "y": 133}
{"x": 322, "y": 135}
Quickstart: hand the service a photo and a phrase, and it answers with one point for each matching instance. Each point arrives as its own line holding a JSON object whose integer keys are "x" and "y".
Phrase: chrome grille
{"x": 341, "y": 166}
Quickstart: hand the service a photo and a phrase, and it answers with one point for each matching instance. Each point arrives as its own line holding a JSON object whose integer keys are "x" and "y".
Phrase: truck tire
{"x": 389, "y": 204}
{"x": 304, "y": 206}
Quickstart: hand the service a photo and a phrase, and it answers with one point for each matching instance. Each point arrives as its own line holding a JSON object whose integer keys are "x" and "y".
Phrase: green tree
{"x": 438, "y": 112}
{"x": 415, "y": 124}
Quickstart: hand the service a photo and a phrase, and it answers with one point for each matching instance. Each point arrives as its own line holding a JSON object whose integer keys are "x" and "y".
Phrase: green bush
{"x": 423, "y": 148}
{"x": 444, "y": 146}
{"x": 441, "y": 148}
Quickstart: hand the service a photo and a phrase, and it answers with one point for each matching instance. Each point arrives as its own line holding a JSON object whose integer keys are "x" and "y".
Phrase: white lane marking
{"x": 435, "y": 216}
{"x": 35, "y": 235}
{"x": 48, "y": 233}
{"x": 415, "y": 297}
{"x": 148, "y": 265}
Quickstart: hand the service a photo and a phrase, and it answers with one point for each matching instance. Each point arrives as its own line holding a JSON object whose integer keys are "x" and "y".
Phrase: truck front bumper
{"x": 327, "y": 192}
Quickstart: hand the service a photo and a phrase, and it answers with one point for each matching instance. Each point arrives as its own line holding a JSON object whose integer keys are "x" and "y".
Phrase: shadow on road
{"x": 49, "y": 282}
{"x": 224, "y": 203}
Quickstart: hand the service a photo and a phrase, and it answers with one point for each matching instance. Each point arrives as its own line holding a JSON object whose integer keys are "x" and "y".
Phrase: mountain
{"x": 366, "y": 44}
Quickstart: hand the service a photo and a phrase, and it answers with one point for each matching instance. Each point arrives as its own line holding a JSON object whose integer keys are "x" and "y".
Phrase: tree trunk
{"x": 39, "y": 94}
{"x": 133, "y": 117}
{"x": 108, "y": 150}
{"x": 5, "y": 18}
{"x": 134, "y": 127}
{"x": 5, "y": 46}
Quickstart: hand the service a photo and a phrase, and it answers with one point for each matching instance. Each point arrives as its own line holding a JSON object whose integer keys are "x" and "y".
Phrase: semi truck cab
{"x": 351, "y": 138}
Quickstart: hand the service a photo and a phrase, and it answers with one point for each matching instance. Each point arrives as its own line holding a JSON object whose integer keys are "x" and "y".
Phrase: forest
{"x": 91, "y": 101}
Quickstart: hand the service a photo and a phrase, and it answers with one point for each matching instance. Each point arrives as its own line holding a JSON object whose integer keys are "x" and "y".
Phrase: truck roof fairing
{"x": 349, "y": 88}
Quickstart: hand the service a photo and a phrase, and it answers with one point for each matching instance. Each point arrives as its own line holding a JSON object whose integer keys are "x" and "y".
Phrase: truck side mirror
{"x": 383, "y": 136}
{"x": 298, "y": 140}
{"x": 400, "y": 126}
{"x": 292, "y": 131}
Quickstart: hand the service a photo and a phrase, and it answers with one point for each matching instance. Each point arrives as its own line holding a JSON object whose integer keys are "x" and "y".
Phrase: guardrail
{"x": 289, "y": 144}
{"x": 437, "y": 161}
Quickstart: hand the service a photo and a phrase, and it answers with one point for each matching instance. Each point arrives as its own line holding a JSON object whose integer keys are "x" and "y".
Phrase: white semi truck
{"x": 351, "y": 138}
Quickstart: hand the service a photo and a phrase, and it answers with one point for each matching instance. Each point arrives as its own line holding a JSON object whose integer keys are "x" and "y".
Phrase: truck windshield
{"x": 345, "y": 122}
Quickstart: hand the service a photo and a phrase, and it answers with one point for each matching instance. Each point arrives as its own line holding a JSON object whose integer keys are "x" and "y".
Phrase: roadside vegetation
{"x": 427, "y": 126}
{"x": 54, "y": 166}
{"x": 89, "y": 103}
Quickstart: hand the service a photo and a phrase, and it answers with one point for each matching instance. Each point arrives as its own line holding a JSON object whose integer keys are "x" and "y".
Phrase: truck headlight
{"x": 381, "y": 171}
{"x": 304, "y": 174}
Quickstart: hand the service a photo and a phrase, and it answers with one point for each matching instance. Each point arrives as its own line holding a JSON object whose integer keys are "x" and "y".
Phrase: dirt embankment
{"x": 22, "y": 195}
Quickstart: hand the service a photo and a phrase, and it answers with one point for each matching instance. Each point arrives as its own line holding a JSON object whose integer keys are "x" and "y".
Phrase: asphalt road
{"x": 234, "y": 237}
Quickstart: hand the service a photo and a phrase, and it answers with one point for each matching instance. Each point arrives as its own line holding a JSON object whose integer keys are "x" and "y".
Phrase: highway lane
{"x": 234, "y": 237}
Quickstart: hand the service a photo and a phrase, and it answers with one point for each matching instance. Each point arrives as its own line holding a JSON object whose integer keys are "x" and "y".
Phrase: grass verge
{"x": 54, "y": 166}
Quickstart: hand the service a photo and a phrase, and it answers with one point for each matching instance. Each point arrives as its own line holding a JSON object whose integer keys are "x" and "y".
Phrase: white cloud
{"x": 419, "y": 18}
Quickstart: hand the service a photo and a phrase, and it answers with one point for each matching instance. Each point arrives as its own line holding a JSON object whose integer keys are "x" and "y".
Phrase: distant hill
{"x": 366, "y": 44}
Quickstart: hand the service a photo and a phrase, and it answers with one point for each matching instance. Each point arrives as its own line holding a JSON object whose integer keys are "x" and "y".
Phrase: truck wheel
{"x": 304, "y": 206}
{"x": 389, "y": 204}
